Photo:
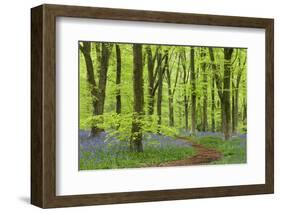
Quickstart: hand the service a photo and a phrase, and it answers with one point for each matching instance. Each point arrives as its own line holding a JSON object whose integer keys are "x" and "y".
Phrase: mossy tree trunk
{"x": 193, "y": 91}
{"x": 205, "y": 92}
{"x": 150, "y": 76}
{"x": 136, "y": 132}
{"x": 213, "y": 105}
{"x": 118, "y": 79}
{"x": 159, "y": 92}
{"x": 219, "y": 85}
{"x": 226, "y": 91}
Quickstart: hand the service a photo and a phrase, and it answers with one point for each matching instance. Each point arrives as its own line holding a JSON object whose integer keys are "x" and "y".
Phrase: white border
{"x": 70, "y": 181}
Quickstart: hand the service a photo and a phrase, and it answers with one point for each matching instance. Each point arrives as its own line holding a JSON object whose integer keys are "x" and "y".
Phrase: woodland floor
{"x": 161, "y": 151}
{"x": 204, "y": 156}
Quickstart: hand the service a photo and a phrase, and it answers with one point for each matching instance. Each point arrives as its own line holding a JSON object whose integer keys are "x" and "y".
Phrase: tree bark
{"x": 205, "y": 92}
{"x": 159, "y": 93}
{"x": 213, "y": 104}
{"x": 180, "y": 102}
{"x": 186, "y": 112}
{"x": 193, "y": 91}
{"x": 150, "y": 69}
{"x": 226, "y": 91}
{"x": 185, "y": 81}
{"x": 86, "y": 51}
{"x": 244, "y": 112}
{"x": 236, "y": 86}
{"x": 105, "y": 53}
{"x": 219, "y": 86}
{"x": 170, "y": 92}
{"x": 118, "y": 79}
{"x": 102, "y": 57}
{"x": 136, "y": 133}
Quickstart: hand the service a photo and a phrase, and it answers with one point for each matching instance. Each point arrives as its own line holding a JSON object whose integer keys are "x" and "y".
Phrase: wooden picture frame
{"x": 43, "y": 105}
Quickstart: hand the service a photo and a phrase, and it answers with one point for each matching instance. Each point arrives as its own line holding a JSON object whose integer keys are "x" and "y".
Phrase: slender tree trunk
{"x": 235, "y": 111}
{"x": 118, "y": 79}
{"x": 185, "y": 95}
{"x": 227, "y": 76}
{"x": 180, "y": 113}
{"x": 213, "y": 104}
{"x": 232, "y": 112}
{"x": 186, "y": 111}
{"x": 103, "y": 76}
{"x": 222, "y": 116}
{"x": 244, "y": 112}
{"x": 136, "y": 136}
{"x": 193, "y": 91}
{"x": 150, "y": 69}
{"x": 235, "y": 114}
{"x": 219, "y": 85}
{"x": 98, "y": 56}
{"x": 180, "y": 103}
{"x": 205, "y": 92}
{"x": 236, "y": 95}
{"x": 170, "y": 92}
{"x": 171, "y": 101}
{"x": 159, "y": 94}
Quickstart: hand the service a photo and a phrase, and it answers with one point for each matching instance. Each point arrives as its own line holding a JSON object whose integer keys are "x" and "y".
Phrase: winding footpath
{"x": 204, "y": 156}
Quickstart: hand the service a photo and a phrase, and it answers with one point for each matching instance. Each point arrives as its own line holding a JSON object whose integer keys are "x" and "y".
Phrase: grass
{"x": 151, "y": 156}
{"x": 233, "y": 151}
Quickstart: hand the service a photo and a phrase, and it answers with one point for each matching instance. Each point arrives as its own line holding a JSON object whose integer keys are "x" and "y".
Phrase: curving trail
{"x": 204, "y": 156}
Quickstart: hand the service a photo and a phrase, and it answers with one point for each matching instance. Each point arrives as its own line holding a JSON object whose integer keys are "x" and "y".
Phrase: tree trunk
{"x": 170, "y": 92}
{"x": 186, "y": 111}
{"x": 136, "y": 136}
{"x": 244, "y": 112}
{"x": 98, "y": 56}
{"x": 235, "y": 102}
{"x": 159, "y": 94}
{"x": 193, "y": 91}
{"x": 218, "y": 81}
{"x": 236, "y": 94}
{"x": 205, "y": 92}
{"x": 185, "y": 95}
{"x": 171, "y": 104}
{"x": 105, "y": 53}
{"x": 118, "y": 79}
{"x": 226, "y": 91}
{"x": 180, "y": 113}
{"x": 234, "y": 110}
{"x": 86, "y": 51}
{"x": 150, "y": 69}
{"x": 213, "y": 105}
{"x": 222, "y": 116}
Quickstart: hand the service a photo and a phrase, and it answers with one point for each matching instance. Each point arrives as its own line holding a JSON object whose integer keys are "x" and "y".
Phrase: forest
{"x": 148, "y": 105}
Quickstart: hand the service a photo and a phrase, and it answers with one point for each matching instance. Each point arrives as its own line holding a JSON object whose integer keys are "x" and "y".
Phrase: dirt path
{"x": 204, "y": 155}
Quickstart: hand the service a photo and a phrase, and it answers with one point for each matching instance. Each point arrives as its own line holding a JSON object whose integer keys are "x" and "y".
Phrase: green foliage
{"x": 85, "y": 98}
{"x": 119, "y": 126}
{"x": 238, "y": 64}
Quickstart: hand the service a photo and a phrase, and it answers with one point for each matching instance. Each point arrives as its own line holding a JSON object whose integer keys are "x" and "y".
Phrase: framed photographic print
{"x": 136, "y": 106}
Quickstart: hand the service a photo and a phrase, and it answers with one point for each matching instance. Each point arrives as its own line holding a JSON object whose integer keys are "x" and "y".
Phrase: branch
{"x": 176, "y": 81}
{"x": 236, "y": 56}
{"x": 157, "y": 83}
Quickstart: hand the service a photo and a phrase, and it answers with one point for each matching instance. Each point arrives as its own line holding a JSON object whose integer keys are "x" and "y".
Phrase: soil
{"x": 204, "y": 156}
